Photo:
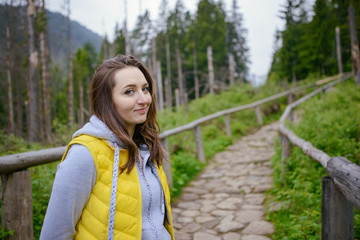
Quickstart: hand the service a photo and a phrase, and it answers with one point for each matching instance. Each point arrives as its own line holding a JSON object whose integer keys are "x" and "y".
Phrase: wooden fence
{"x": 16, "y": 193}
{"x": 341, "y": 189}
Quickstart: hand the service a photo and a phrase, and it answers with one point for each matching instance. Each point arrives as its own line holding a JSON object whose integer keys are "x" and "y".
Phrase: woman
{"x": 111, "y": 184}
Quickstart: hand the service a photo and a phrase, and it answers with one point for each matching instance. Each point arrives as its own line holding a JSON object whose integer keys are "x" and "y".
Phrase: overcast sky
{"x": 260, "y": 18}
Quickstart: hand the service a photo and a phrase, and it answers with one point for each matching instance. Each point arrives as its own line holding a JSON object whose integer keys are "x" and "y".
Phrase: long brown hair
{"x": 103, "y": 107}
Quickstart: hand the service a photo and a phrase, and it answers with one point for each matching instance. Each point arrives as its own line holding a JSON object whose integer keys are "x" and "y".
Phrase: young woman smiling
{"x": 110, "y": 183}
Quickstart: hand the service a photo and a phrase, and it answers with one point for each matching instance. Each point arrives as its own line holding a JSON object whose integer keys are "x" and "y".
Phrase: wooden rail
{"x": 16, "y": 180}
{"x": 340, "y": 191}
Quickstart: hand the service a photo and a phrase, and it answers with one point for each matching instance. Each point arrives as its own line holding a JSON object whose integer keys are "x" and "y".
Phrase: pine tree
{"x": 141, "y": 37}
{"x": 119, "y": 44}
{"x": 84, "y": 66}
{"x": 210, "y": 30}
{"x": 236, "y": 41}
{"x": 294, "y": 17}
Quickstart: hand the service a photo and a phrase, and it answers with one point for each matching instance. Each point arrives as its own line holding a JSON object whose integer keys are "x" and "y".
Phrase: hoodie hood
{"x": 97, "y": 128}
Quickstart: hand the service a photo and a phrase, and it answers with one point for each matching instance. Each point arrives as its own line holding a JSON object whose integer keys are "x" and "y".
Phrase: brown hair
{"x": 103, "y": 107}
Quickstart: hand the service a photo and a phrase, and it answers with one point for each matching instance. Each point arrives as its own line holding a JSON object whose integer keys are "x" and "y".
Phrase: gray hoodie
{"x": 75, "y": 179}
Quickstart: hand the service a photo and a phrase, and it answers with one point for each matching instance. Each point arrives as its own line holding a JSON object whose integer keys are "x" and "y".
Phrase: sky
{"x": 260, "y": 18}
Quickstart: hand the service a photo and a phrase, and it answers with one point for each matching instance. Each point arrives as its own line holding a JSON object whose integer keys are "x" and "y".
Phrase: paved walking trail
{"x": 225, "y": 202}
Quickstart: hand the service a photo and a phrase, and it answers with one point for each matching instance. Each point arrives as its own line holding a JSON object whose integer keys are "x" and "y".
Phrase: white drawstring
{"x": 113, "y": 193}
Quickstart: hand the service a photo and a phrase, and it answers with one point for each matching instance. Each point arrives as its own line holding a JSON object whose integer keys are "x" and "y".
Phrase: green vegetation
{"x": 331, "y": 122}
{"x": 307, "y": 44}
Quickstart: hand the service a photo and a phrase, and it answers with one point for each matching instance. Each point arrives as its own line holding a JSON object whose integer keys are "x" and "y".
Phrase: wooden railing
{"x": 16, "y": 181}
{"x": 341, "y": 189}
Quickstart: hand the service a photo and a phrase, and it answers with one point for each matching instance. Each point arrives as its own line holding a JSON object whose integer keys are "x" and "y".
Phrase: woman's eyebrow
{"x": 134, "y": 85}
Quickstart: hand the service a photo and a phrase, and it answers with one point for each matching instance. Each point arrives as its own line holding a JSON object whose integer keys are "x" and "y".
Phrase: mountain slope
{"x": 57, "y": 33}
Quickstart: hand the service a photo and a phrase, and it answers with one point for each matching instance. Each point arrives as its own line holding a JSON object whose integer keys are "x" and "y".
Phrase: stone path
{"x": 225, "y": 202}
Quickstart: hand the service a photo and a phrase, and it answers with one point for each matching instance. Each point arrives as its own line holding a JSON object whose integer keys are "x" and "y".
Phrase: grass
{"x": 331, "y": 122}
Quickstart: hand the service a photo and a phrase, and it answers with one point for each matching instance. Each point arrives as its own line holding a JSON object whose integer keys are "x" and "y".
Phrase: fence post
{"x": 16, "y": 204}
{"x": 286, "y": 150}
{"x": 167, "y": 162}
{"x": 337, "y": 213}
{"x": 199, "y": 145}
{"x": 258, "y": 114}
{"x": 227, "y": 125}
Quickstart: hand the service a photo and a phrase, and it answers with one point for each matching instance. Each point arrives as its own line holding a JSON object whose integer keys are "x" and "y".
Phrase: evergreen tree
{"x": 105, "y": 51}
{"x": 322, "y": 31}
{"x": 294, "y": 16}
{"x": 236, "y": 41}
{"x": 119, "y": 44}
{"x": 210, "y": 30}
{"x": 141, "y": 37}
{"x": 85, "y": 61}
{"x": 177, "y": 26}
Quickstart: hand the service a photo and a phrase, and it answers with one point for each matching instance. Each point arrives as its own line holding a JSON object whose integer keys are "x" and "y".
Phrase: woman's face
{"x": 131, "y": 96}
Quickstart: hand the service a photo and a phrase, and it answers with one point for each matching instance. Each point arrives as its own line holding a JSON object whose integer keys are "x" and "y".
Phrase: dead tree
{"x": 180, "y": 74}
{"x": 33, "y": 128}
{"x": 211, "y": 69}
{"x": 338, "y": 50}
{"x": 168, "y": 94}
{"x": 231, "y": 69}
{"x": 354, "y": 45}
{"x": 45, "y": 73}
{"x": 196, "y": 77}
{"x": 8, "y": 71}
{"x": 126, "y": 34}
{"x": 70, "y": 68}
{"x": 160, "y": 86}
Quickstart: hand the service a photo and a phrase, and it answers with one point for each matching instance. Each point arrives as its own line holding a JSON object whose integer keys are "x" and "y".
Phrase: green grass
{"x": 331, "y": 122}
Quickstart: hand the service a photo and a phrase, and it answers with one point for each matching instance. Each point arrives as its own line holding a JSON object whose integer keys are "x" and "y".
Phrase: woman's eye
{"x": 129, "y": 92}
{"x": 146, "y": 89}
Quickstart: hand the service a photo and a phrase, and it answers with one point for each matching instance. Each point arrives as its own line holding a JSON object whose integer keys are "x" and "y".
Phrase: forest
{"x": 44, "y": 85}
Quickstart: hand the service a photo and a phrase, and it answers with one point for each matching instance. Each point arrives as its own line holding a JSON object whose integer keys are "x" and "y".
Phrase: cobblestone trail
{"x": 225, "y": 202}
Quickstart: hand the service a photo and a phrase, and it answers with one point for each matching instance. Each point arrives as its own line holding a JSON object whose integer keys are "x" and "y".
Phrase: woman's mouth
{"x": 141, "y": 110}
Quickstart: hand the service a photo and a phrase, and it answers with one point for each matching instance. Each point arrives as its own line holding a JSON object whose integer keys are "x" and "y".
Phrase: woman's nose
{"x": 143, "y": 98}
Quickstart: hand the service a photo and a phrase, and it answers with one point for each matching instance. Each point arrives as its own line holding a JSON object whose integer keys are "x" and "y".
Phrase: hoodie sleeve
{"x": 74, "y": 180}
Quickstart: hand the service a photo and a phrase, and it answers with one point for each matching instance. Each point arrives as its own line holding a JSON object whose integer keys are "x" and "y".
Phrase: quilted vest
{"x": 93, "y": 223}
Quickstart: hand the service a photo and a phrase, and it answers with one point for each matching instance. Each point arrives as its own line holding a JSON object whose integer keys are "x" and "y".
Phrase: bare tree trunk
{"x": 70, "y": 69}
{"x": 177, "y": 99}
{"x": 294, "y": 77}
{"x": 196, "y": 77}
{"x": 81, "y": 103}
{"x": 153, "y": 57}
{"x": 19, "y": 110}
{"x": 338, "y": 50}
{"x": 127, "y": 39}
{"x": 180, "y": 75}
{"x": 354, "y": 45}
{"x": 231, "y": 69}
{"x": 154, "y": 71}
{"x": 9, "y": 81}
{"x": 168, "y": 95}
{"x": 19, "y": 86}
{"x": 33, "y": 127}
{"x": 211, "y": 69}
{"x": 45, "y": 75}
{"x": 160, "y": 87}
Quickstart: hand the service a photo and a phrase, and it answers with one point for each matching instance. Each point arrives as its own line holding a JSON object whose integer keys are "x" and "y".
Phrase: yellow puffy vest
{"x": 93, "y": 223}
